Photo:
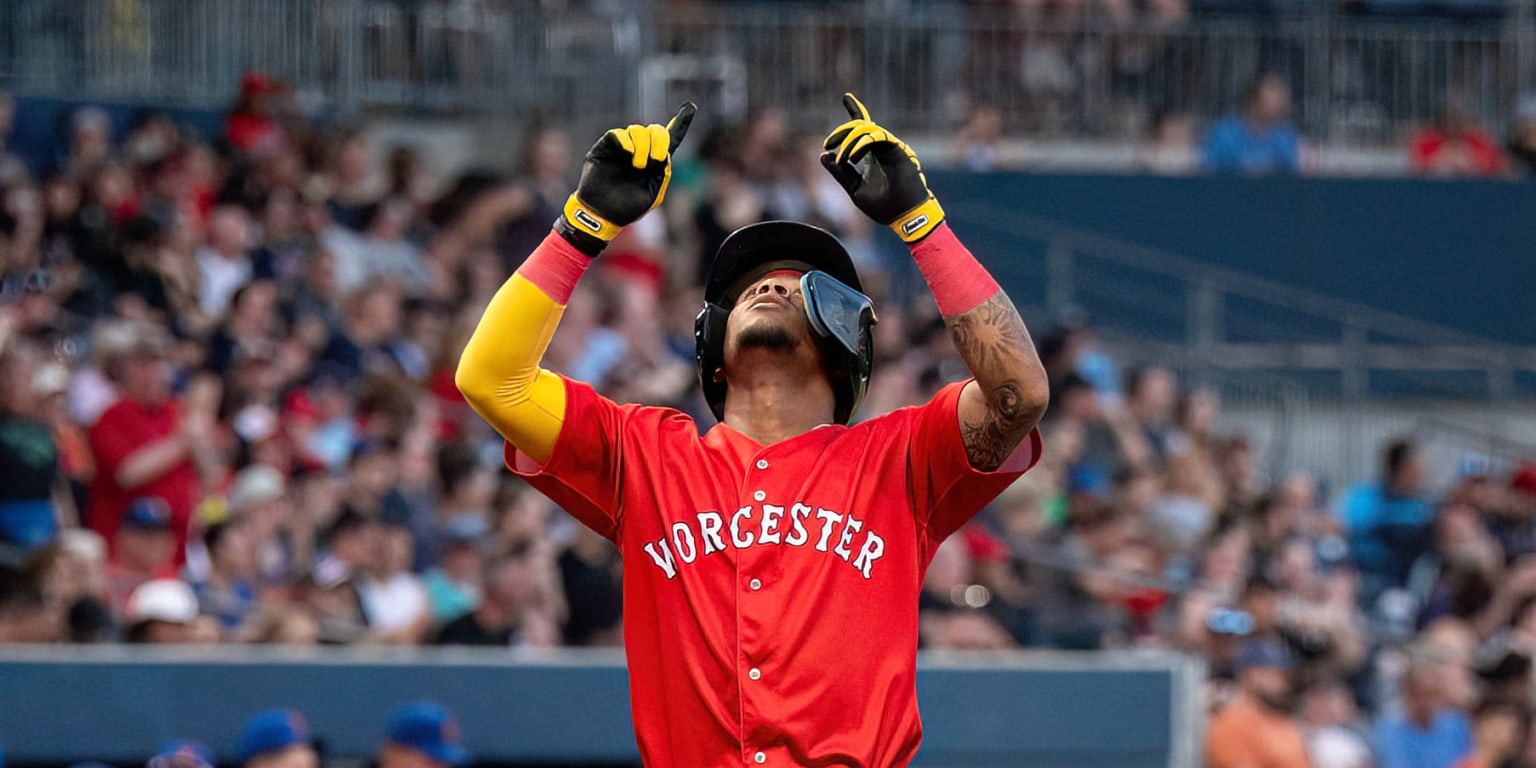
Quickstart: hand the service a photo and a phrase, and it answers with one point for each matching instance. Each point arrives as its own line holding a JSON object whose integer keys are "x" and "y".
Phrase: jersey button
{"x": 760, "y": 495}
{"x": 762, "y": 463}
{"x": 759, "y": 758}
{"x": 755, "y": 584}
{"x": 755, "y": 674}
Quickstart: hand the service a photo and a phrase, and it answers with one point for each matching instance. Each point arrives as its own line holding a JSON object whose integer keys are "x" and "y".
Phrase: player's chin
{"x": 768, "y": 334}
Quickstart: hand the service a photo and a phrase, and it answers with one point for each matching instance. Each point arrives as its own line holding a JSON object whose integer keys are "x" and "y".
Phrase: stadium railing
{"x": 1359, "y": 79}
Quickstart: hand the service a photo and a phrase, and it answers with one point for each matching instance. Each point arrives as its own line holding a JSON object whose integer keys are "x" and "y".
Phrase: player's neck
{"x": 778, "y": 401}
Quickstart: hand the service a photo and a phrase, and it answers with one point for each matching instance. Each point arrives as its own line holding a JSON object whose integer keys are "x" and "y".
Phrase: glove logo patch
{"x": 915, "y": 224}
{"x": 587, "y": 220}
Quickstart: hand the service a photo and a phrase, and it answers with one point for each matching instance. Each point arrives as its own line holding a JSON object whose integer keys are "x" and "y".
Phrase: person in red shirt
{"x": 1456, "y": 146}
{"x": 772, "y": 564}
{"x": 146, "y": 444}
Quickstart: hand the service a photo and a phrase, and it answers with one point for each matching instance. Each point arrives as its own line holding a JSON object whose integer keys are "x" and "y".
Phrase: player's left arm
{"x": 1009, "y": 394}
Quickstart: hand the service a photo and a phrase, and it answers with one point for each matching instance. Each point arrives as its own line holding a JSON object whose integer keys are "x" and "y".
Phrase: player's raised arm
{"x": 885, "y": 180}
{"x": 625, "y": 175}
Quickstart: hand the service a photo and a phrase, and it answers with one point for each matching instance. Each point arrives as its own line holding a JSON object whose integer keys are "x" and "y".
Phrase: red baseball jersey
{"x": 770, "y": 592}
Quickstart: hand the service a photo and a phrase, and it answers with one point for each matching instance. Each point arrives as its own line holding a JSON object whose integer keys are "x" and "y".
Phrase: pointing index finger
{"x": 677, "y": 127}
{"x": 855, "y": 109}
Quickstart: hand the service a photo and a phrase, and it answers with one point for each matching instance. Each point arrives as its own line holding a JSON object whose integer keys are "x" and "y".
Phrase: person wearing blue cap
{"x": 422, "y": 734}
{"x": 278, "y": 738}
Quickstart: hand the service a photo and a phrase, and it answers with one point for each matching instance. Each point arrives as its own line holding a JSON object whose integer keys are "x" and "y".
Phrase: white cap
{"x": 256, "y": 484}
{"x": 169, "y": 600}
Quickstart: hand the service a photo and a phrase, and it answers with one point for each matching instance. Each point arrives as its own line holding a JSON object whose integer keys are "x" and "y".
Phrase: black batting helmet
{"x": 835, "y": 304}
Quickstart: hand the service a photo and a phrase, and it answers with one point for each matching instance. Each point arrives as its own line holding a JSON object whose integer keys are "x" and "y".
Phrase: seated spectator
{"x": 453, "y": 586}
{"x": 1522, "y": 135}
{"x": 1499, "y": 732}
{"x": 30, "y": 479}
{"x": 591, "y": 575}
{"x": 422, "y": 734}
{"x": 1427, "y": 733}
{"x": 278, "y": 738}
{"x": 394, "y": 601}
{"x": 1388, "y": 521}
{"x": 164, "y": 611}
{"x": 228, "y": 594}
{"x": 1456, "y": 146}
{"x": 145, "y": 549}
{"x": 506, "y": 615}
{"x": 1260, "y": 140}
{"x": 1256, "y": 728}
{"x": 1329, "y": 721}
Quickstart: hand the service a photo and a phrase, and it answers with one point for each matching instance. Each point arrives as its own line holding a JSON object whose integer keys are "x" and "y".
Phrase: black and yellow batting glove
{"x": 625, "y": 175}
{"x": 881, "y": 174}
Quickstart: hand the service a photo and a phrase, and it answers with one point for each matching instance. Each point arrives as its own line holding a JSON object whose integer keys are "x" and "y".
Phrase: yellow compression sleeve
{"x": 499, "y": 371}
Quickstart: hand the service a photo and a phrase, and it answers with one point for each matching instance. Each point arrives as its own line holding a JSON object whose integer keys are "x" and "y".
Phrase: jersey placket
{"x": 757, "y": 576}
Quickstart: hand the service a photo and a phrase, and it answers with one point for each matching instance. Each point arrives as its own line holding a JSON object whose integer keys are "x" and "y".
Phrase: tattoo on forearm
{"x": 994, "y": 344}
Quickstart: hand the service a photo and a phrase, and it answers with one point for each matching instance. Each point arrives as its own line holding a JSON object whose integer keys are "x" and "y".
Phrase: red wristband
{"x": 959, "y": 283}
{"x": 555, "y": 267}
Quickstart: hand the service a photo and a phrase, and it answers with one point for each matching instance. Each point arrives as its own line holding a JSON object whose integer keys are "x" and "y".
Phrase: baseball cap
{"x": 1261, "y": 652}
{"x": 254, "y": 485}
{"x": 168, "y": 600}
{"x": 147, "y": 513}
{"x": 271, "y": 730}
{"x": 182, "y": 753}
{"x": 429, "y": 728}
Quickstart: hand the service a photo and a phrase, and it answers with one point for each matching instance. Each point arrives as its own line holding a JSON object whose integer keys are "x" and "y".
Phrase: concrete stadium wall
{"x": 65, "y": 704}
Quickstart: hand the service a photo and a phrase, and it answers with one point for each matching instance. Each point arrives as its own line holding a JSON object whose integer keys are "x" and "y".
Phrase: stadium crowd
{"x": 227, "y": 415}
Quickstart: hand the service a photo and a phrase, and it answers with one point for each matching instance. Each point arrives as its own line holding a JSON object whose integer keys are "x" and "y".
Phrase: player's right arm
{"x": 625, "y": 175}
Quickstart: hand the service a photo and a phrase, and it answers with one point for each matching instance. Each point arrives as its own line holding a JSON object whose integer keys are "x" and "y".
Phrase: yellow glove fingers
{"x": 838, "y": 134}
{"x": 855, "y": 109}
{"x": 622, "y": 136}
{"x": 661, "y": 142}
{"x": 861, "y": 146}
{"x": 859, "y": 139}
{"x": 640, "y": 145}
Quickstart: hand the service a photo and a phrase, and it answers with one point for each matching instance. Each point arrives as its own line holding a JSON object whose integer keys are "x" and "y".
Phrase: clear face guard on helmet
{"x": 835, "y": 310}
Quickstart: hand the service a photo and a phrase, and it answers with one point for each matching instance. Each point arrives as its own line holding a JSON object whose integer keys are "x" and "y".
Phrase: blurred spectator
{"x": 591, "y": 575}
{"x": 952, "y": 605}
{"x": 228, "y": 594}
{"x": 1427, "y": 733}
{"x": 277, "y": 738}
{"x": 225, "y": 262}
{"x": 1456, "y": 146}
{"x": 1499, "y": 732}
{"x": 1329, "y": 722}
{"x": 976, "y": 143}
{"x": 453, "y": 586}
{"x": 164, "y": 611}
{"x": 30, "y": 480}
{"x": 1169, "y": 149}
{"x": 145, "y": 549}
{"x": 1522, "y": 135}
{"x": 249, "y": 126}
{"x": 1256, "y": 729}
{"x": 148, "y": 444}
{"x": 1261, "y": 139}
{"x": 1388, "y": 521}
{"x": 395, "y": 603}
{"x": 422, "y": 734}
{"x": 506, "y": 615}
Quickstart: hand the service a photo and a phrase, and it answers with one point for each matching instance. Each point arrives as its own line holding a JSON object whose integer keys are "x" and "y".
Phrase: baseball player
{"x": 772, "y": 566}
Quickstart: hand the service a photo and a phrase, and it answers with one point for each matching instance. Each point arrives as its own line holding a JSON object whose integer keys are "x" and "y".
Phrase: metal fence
{"x": 1358, "y": 80}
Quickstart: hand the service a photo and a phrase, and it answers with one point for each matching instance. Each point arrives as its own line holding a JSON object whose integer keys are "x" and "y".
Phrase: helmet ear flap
{"x": 709, "y": 354}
